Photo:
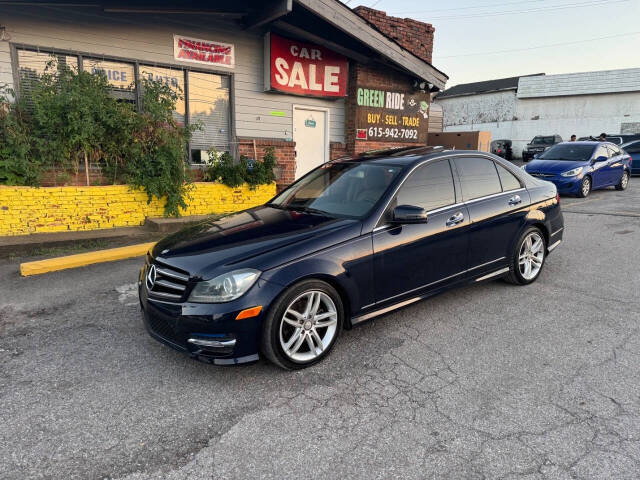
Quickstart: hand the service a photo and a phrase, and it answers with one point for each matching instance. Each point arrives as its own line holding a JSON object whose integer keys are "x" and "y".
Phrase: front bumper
{"x": 206, "y": 331}
{"x": 565, "y": 185}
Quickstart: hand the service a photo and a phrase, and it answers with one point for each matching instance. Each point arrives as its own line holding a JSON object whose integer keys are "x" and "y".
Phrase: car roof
{"x": 586, "y": 142}
{"x": 406, "y": 156}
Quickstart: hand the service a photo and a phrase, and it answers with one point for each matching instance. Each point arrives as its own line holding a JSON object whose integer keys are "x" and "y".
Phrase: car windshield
{"x": 343, "y": 189}
{"x": 543, "y": 140}
{"x": 568, "y": 151}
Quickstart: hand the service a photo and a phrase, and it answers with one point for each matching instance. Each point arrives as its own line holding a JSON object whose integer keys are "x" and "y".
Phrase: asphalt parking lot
{"x": 489, "y": 381}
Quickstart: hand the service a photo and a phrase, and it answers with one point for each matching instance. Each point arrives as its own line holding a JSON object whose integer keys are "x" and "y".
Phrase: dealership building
{"x": 312, "y": 78}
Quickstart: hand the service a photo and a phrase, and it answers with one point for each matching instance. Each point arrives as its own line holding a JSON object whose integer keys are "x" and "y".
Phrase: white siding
{"x": 606, "y": 81}
{"x": 149, "y": 39}
{"x": 520, "y": 119}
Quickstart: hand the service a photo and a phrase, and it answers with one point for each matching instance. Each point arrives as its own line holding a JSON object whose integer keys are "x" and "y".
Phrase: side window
{"x": 478, "y": 177}
{"x": 508, "y": 179}
{"x": 601, "y": 151}
{"x": 614, "y": 150}
{"x": 429, "y": 187}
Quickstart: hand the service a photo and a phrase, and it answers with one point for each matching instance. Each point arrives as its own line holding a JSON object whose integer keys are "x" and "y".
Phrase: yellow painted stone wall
{"x": 25, "y": 210}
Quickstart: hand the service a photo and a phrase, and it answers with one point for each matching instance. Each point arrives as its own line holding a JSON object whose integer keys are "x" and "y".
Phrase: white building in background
{"x": 519, "y": 108}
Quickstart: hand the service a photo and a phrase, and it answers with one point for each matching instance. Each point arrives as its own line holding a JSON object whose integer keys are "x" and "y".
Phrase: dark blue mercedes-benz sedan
{"x": 352, "y": 239}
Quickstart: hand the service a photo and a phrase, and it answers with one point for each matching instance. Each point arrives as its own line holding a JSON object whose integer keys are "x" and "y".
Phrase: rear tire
{"x": 303, "y": 325}
{"x": 528, "y": 257}
{"x": 585, "y": 187}
{"x": 624, "y": 181}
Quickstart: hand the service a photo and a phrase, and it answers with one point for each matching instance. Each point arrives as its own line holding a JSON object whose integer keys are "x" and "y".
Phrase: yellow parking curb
{"x": 82, "y": 259}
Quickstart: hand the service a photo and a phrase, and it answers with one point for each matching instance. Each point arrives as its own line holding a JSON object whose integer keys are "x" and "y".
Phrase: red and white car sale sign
{"x": 208, "y": 52}
{"x": 303, "y": 68}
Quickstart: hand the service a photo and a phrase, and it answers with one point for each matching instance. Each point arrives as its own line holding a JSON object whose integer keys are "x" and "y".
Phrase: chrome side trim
{"x": 494, "y": 274}
{"x": 212, "y": 343}
{"x": 553, "y": 245}
{"x": 557, "y": 231}
{"x": 493, "y": 195}
{"x": 367, "y": 316}
{"x": 485, "y": 264}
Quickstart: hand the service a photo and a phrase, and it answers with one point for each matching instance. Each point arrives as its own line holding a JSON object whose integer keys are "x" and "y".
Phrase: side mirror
{"x": 409, "y": 214}
{"x": 601, "y": 158}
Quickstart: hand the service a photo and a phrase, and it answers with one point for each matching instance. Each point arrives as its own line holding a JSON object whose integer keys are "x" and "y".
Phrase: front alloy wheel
{"x": 585, "y": 187}
{"x": 528, "y": 257}
{"x": 303, "y": 324}
{"x": 308, "y": 326}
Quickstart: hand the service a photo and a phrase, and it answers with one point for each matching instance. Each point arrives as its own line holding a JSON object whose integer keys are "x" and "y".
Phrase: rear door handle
{"x": 515, "y": 200}
{"x": 455, "y": 220}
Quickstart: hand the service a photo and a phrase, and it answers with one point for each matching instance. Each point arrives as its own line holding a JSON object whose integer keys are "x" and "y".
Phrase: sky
{"x": 487, "y": 39}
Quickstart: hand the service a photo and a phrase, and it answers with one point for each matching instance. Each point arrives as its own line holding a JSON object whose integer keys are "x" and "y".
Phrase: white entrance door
{"x": 310, "y": 135}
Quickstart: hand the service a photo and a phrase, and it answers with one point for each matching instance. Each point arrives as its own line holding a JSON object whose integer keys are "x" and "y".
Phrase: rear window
{"x": 508, "y": 179}
{"x": 478, "y": 177}
{"x": 544, "y": 140}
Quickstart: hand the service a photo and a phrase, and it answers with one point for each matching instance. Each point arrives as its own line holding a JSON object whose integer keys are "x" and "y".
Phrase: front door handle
{"x": 455, "y": 220}
{"x": 515, "y": 200}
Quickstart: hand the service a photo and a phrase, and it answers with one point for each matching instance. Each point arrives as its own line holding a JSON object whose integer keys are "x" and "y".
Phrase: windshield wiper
{"x": 299, "y": 208}
{"x": 312, "y": 211}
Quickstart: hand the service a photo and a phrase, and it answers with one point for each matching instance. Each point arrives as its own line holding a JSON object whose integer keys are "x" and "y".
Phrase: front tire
{"x": 624, "y": 181}
{"x": 585, "y": 187}
{"x": 303, "y": 325}
{"x": 528, "y": 257}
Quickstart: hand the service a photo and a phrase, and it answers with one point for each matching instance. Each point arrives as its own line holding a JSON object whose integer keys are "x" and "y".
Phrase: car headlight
{"x": 572, "y": 173}
{"x": 225, "y": 287}
{"x": 524, "y": 167}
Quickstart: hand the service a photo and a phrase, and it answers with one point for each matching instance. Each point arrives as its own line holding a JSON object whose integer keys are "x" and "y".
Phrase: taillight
{"x": 558, "y": 197}
{"x": 499, "y": 151}
{"x": 630, "y": 160}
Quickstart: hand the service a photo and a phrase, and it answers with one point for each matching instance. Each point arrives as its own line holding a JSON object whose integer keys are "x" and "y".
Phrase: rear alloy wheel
{"x": 303, "y": 325}
{"x": 624, "y": 181}
{"x": 585, "y": 187}
{"x": 528, "y": 257}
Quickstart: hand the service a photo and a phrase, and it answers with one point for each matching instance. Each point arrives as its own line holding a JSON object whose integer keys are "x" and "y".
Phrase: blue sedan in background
{"x": 633, "y": 149}
{"x": 576, "y": 168}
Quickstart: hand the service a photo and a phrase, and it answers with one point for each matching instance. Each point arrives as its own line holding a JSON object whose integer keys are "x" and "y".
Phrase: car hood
{"x": 553, "y": 166}
{"x": 537, "y": 146}
{"x": 261, "y": 238}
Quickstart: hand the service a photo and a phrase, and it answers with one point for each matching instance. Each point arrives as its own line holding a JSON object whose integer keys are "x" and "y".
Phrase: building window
{"x": 205, "y": 96}
{"x": 208, "y": 105}
{"x": 120, "y": 75}
{"x": 32, "y": 64}
{"x": 174, "y": 77}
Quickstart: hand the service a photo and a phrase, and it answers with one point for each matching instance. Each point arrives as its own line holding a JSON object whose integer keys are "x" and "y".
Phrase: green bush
{"x": 222, "y": 168}
{"x": 17, "y": 163}
{"x": 67, "y": 118}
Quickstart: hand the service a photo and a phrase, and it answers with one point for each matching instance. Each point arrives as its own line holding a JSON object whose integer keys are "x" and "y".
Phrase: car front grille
{"x": 166, "y": 283}
{"x": 542, "y": 175}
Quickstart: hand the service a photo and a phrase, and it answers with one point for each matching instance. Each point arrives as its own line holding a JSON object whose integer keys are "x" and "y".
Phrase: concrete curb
{"x": 81, "y": 259}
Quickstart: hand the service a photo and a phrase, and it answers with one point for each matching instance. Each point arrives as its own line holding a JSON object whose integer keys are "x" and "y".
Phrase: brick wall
{"x": 25, "y": 210}
{"x": 376, "y": 77}
{"x": 285, "y": 152}
{"x": 412, "y": 35}
{"x": 337, "y": 150}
